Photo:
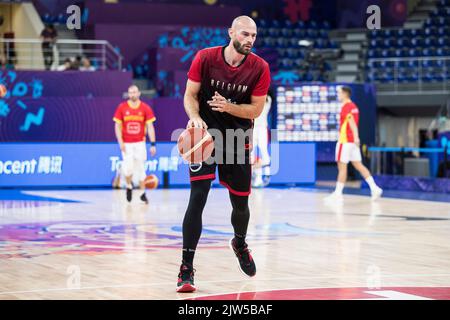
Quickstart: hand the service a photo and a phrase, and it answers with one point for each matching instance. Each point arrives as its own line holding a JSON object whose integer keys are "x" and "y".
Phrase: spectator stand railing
{"x": 27, "y": 53}
{"x": 422, "y": 74}
{"x": 391, "y": 160}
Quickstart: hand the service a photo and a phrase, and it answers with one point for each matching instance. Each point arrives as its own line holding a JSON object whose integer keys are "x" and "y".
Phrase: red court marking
{"x": 439, "y": 293}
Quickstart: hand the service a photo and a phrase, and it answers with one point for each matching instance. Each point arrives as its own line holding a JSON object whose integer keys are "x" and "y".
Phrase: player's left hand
{"x": 152, "y": 151}
{"x": 219, "y": 103}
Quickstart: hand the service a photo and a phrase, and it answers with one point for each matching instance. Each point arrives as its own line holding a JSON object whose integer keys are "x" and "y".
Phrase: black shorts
{"x": 235, "y": 177}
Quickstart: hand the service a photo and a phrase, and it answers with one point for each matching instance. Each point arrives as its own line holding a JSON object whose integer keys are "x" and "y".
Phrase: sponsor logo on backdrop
{"x": 42, "y": 165}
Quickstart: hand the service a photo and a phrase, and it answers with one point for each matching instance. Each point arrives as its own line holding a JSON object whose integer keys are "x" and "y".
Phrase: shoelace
{"x": 244, "y": 252}
{"x": 186, "y": 274}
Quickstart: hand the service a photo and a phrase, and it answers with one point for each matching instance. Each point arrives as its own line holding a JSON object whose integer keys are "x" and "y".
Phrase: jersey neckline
{"x": 229, "y": 65}
{"x": 134, "y": 108}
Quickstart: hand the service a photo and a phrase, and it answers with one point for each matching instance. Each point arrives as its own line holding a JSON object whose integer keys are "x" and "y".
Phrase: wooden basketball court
{"x": 91, "y": 244}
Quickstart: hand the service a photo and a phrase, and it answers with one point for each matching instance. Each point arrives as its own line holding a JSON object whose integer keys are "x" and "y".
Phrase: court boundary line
{"x": 220, "y": 281}
{"x": 312, "y": 288}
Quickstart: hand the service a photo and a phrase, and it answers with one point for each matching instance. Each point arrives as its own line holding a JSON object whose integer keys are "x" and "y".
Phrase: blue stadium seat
{"x": 443, "y": 51}
{"x": 323, "y": 33}
{"x": 443, "y": 31}
{"x": 319, "y": 44}
{"x": 413, "y": 65}
{"x": 387, "y": 43}
{"x": 403, "y": 42}
{"x": 416, "y": 32}
{"x": 430, "y": 41}
{"x": 441, "y": 21}
{"x": 291, "y": 53}
{"x": 416, "y": 42}
{"x": 428, "y": 52}
{"x": 292, "y": 43}
{"x": 333, "y": 44}
{"x": 276, "y": 24}
{"x": 370, "y": 77}
{"x": 299, "y": 32}
{"x": 399, "y": 53}
{"x": 412, "y": 52}
{"x": 430, "y": 32}
{"x": 385, "y": 53}
{"x": 287, "y": 23}
{"x": 374, "y": 33}
{"x": 372, "y": 64}
{"x": 300, "y": 24}
{"x": 428, "y": 23}
{"x": 262, "y": 23}
{"x": 425, "y": 64}
{"x": 286, "y": 32}
{"x": 274, "y": 32}
{"x": 372, "y": 53}
{"x": 374, "y": 43}
{"x": 403, "y": 33}
{"x": 312, "y": 24}
{"x": 311, "y": 33}
{"x": 386, "y": 33}
{"x": 281, "y": 43}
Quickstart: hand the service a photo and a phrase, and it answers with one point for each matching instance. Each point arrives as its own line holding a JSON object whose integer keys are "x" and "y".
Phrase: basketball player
{"x": 260, "y": 142}
{"x": 226, "y": 89}
{"x": 133, "y": 118}
{"x": 347, "y": 147}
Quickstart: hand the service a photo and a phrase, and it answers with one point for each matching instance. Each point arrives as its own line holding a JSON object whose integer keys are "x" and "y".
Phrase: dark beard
{"x": 240, "y": 48}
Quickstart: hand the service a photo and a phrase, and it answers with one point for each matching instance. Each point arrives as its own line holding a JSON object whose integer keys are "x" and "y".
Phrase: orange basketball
{"x": 195, "y": 145}
{"x": 3, "y": 91}
{"x": 151, "y": 181}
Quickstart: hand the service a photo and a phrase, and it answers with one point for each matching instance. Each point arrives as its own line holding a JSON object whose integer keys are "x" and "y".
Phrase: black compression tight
{"x": 192, "y": 223}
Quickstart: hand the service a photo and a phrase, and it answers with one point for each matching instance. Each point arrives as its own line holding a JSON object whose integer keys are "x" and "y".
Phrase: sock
{"x": 240, "y": 240}
{"x": 371, "y": 183}
{"x": 143, "y": 193}
{"x": 339, "y": 187}
{"x": 188, "y": 256}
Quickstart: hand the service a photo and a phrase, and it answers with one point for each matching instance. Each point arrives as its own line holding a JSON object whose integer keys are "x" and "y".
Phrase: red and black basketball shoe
{"x": 244, "y": 258}
{"x": 186, "y": 279}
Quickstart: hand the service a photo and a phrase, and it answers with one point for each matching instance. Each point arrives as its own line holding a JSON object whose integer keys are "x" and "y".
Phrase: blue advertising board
{"x": 96, "y": 164}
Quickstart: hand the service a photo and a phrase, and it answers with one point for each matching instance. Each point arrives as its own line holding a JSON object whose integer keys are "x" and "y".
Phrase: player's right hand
{"x": 196, "y": 122}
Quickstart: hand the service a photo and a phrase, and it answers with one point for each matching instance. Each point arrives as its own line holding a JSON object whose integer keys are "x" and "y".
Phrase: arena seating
{"x": 412, "y": 54}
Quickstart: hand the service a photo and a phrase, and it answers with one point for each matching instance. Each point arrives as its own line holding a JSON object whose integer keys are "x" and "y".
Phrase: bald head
{"x": 243, "y": 34}
{"x": 243, "y": 22}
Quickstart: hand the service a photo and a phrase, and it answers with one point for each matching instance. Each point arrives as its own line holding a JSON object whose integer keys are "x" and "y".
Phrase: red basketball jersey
{"x": 133, "y": 120}
{"x": 348, "y": 111}
{"x": 236, "y": 84}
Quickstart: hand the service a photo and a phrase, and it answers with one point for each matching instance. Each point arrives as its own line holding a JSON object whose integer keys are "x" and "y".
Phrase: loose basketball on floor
{"x": 151, "y": 181}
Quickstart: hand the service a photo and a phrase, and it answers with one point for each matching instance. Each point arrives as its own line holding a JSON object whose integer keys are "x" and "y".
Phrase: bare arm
{"x": 152, "y": 137}
{"x": 245, "y": 111}
{"x": 151, "y": 132}
{"x": 191, "y": 105}
{"x": 118, "y": 131}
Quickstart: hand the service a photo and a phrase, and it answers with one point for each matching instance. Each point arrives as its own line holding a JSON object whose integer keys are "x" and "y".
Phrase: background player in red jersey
{"x": 347, "y": 147}
{"x": 133, "y": 118}
{"x": 226, "y": 89}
